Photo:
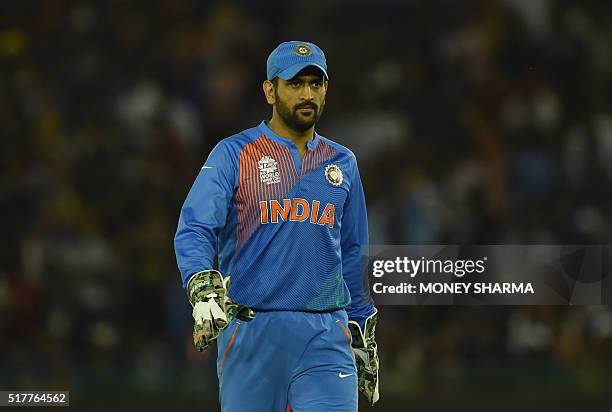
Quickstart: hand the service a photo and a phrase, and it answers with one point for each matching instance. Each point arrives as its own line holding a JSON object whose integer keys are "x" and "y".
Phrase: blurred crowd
{"x": 485, "y": 122}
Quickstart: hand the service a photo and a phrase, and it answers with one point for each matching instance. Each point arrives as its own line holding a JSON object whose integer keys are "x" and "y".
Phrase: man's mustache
{"x": 306, "y": 106}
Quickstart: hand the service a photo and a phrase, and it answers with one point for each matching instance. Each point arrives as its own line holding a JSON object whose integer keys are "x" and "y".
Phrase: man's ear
{"x": 268, "y": 89}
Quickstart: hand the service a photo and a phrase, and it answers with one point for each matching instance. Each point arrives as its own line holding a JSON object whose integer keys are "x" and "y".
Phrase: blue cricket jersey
{"x": 291, "y": 232}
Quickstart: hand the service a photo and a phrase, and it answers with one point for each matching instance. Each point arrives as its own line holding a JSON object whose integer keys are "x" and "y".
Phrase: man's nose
{"x": 307, "y": 93}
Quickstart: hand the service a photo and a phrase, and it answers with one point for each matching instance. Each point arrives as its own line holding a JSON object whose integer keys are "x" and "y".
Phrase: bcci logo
{"x": 268, "y": 170}
{"x": 302, "y": 50}
{"x": 333, "y": 174}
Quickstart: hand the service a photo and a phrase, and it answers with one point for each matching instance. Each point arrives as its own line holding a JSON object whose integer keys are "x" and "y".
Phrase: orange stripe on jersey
{"x": 252, "y": 192}
{"x": 241, "y": 192}
{"x": 242, "y": 169}
{"x": 322, "y": 153}
{"x": 247, "y": 190}
{"x": 273, "y": 151}
{"x": 305, "y": 160}
{"x": 348, "y": 336}
{"x": 346, "y": 333}
{"x": 246, "y": 193}
{"x": 286, "y": 162}
{"x": 259, "y": 188}
{"x": 264, "y": 147}
{"x": 229, "y": 345}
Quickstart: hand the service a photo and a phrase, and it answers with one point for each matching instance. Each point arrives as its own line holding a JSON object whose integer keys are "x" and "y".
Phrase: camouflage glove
{"x": 366, "y": 357}
{"x": 213, "y": 310}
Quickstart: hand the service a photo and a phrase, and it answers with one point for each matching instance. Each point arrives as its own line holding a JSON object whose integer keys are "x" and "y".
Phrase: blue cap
{"x": 292, "y": 56}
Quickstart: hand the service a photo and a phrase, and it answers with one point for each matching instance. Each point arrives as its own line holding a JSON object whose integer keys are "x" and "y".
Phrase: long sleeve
{"x": 204, "y": 213}
{"x": 354, "y": 245}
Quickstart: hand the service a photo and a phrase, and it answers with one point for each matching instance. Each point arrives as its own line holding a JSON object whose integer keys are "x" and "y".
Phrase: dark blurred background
{"x": 484, "y": 122}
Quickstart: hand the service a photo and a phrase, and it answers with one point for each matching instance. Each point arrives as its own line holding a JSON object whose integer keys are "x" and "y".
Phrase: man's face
{"x": 300, "y": 100}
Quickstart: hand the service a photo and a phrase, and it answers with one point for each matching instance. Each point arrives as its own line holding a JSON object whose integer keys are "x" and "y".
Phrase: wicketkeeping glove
{"x": 366, "y": 357}
{"x": 213, "y": 310}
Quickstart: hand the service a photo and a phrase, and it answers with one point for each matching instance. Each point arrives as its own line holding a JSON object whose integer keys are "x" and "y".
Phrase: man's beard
{"x": 294, "y": 119}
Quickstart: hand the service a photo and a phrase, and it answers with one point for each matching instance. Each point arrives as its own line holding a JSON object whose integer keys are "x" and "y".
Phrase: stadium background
{"x": 474, "y": 122}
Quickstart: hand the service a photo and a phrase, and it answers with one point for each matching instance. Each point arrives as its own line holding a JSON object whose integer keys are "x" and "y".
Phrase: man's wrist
{"x": 203, "y": 283}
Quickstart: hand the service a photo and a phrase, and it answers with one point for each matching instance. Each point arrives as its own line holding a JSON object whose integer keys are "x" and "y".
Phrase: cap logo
{"x": 302, "y": 50}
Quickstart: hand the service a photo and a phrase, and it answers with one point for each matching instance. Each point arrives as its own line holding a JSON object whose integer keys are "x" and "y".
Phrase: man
{"x": 283, "y": 209}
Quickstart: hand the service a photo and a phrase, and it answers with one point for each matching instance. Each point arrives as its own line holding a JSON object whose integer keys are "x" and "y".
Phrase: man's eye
{"x": 295, "y": 84}
{"x": 317, "y": 84}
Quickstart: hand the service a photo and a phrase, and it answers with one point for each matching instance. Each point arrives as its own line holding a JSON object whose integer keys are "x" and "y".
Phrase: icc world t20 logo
{"x": 268, "y": 170}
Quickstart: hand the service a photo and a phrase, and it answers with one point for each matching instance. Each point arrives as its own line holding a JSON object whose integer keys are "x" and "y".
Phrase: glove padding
{"x": 366, "y": 357}
{"x": 213, "y": 309}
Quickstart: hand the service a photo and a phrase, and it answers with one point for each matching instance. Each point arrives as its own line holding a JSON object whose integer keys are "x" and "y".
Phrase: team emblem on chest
{"x": 268, "y": 170}
{"x": 333, "y": 174}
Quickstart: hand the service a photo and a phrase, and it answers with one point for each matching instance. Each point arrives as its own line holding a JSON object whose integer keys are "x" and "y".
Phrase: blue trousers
{"x": 283, "y": 361}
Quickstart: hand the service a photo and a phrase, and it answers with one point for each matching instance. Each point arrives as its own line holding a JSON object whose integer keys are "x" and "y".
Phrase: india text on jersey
{"x": 296, "y": 210}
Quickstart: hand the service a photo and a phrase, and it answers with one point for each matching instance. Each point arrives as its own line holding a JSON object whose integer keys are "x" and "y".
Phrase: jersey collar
{"x": 311, "y": 144}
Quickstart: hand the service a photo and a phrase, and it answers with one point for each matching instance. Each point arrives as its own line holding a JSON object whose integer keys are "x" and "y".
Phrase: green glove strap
{"x": 366, "y": 357}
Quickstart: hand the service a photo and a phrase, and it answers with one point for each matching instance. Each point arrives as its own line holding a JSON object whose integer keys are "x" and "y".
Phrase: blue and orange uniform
{"x": 292, "y": 233}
